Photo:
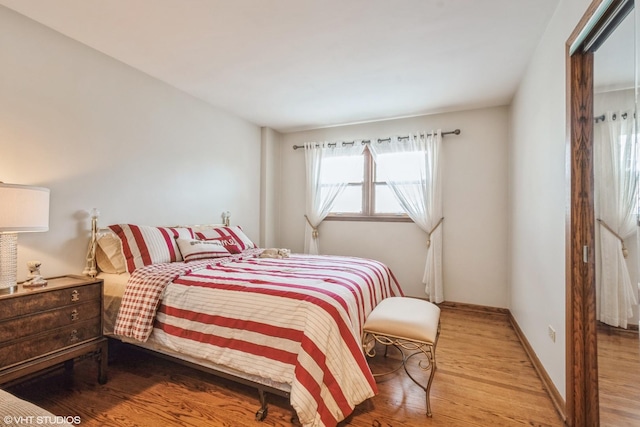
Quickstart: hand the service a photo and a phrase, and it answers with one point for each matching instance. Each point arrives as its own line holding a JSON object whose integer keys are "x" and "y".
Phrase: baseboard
{"x": 612, "y": 330}
{"x": 555, "y": 396}
{"x": 473, "y": 307}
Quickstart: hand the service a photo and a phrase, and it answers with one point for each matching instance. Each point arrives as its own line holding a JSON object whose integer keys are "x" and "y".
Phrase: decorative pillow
{"x": 143, "y": 245}
{"x": 234, "y": 232}
{"x": 229, "y": 243}
{"x": 193, "y": 249}
{"x": 109, "y": 255}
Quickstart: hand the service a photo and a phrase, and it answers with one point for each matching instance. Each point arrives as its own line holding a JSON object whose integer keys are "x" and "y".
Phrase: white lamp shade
{"x": 23, "y": 208}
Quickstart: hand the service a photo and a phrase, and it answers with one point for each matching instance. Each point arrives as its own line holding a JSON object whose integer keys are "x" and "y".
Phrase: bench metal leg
{"x": 431, "y": 366}
{"x": 419, "y": 348}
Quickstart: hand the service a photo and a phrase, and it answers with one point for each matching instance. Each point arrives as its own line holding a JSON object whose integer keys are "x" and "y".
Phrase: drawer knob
{"x": 74, "y": 315}
{"x": 75, "y": 295}
{"x": 73, "y": 337}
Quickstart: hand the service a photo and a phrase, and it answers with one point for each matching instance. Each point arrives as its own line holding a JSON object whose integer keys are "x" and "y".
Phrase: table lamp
{"x": 23, "y": 208}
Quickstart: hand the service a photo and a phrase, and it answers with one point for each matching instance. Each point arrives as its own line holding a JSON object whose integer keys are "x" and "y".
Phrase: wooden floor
{"x": 619, "y": 377}
{"x": 483, "y": 379}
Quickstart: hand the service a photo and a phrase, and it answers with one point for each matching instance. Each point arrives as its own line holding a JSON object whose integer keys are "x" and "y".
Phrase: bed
{"x": 285, "y": 323}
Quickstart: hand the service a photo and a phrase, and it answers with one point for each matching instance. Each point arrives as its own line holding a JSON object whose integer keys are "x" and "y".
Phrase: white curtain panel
{"x": 323, "y": 186}
{"x": 616, "y": 195}
{"x": 417, "y": 186}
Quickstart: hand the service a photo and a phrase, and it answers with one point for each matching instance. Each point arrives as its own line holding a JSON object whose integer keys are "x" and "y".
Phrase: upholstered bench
{"x": 408, "y": 324}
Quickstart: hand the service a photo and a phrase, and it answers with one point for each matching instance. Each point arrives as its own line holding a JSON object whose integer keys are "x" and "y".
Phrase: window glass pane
{"x": 349, "y": 201}
{"x": 386, "y": 202}
{"x": 342, "y": 169}
{"x": 399, "y": 166}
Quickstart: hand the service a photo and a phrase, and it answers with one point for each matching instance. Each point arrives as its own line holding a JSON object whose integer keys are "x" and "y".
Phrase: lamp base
{"x": 8, "y": 262}
{"x": 10, "y": 290}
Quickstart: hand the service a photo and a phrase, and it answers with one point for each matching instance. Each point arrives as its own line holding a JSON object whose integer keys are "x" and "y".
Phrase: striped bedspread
{"x": 296, "y": 320}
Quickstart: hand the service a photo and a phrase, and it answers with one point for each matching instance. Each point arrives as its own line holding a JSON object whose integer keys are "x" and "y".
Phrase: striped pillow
{"x": 193, "y": 249}
{"x": 143, "y": 245}
{"x": 234, "y": 232}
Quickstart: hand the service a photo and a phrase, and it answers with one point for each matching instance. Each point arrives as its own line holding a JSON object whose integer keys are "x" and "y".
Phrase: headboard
{"x": 91, "y": 268}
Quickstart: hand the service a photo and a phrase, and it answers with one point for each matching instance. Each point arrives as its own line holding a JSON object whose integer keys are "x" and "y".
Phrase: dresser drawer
{"x": 42, "y": 301}
{"x": 19, "y": 327}
{"x": 20, "y": 350}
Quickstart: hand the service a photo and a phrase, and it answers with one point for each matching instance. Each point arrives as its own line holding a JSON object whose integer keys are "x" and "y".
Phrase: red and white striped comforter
{"x": 296, "y": 320}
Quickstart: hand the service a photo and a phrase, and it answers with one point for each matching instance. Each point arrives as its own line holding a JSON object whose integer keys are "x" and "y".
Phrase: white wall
{"x": 269, "y": 188}
{"x": 475, "y": 207}
{"x": 101, "y": 134}
{"x": 538, "y": 194}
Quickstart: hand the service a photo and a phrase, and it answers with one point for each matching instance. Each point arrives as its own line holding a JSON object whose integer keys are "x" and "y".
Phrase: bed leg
{"x": 261, "y": 414}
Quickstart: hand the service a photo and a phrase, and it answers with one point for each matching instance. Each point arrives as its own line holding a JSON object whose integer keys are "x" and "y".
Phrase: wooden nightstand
{"x": 43, "y": 327}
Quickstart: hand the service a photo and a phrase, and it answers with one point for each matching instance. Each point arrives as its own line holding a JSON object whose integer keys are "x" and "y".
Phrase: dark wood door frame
{"x": 581, "y": 346}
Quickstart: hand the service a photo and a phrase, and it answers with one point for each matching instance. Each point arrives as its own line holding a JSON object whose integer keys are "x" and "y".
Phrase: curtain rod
{"x": 368, "y": 141}
{"x": 602, "y": 117}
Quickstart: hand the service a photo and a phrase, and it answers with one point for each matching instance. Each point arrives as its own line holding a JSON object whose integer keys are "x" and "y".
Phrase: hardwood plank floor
{"x": 484, "y": 378}
{"x": 619, "y": 377}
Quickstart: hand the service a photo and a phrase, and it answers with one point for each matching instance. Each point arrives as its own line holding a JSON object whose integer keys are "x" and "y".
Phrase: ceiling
{"x": 301, "y": 64}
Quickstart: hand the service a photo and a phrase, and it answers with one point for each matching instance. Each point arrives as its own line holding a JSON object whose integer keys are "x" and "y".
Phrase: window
{"x": 629, "y": 160}
{"x": 366, "y": 197}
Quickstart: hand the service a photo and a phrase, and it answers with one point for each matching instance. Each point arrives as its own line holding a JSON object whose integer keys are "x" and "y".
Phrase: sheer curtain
{"x": 327, "y": 176}
{"x": 616, "y": 187}
{"x": 412, "y": 170}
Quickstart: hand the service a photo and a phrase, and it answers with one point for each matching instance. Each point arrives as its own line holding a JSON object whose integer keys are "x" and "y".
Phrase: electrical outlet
{"x": 552, "y": 333}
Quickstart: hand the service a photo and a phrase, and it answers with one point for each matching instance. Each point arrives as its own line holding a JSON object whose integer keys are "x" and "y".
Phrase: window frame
{"x": 368, "y": 198}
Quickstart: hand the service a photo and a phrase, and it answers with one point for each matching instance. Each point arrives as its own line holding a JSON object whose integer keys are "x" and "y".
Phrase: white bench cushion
{"x": 403, "y": 317}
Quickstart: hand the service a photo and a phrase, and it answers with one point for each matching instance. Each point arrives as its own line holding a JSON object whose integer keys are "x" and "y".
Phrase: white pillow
{"x": 234, "y": 232}
{"x": 193, "y": 249}
{"x": 109, "y": 255}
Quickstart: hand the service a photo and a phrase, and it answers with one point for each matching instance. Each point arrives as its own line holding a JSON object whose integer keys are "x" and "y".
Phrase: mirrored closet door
{"x": 616, "y": 175}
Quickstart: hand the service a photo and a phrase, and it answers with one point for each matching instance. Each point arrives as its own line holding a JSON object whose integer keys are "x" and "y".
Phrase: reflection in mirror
{"x": 616, "y": 173}
{"x": 616, "y": 178}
